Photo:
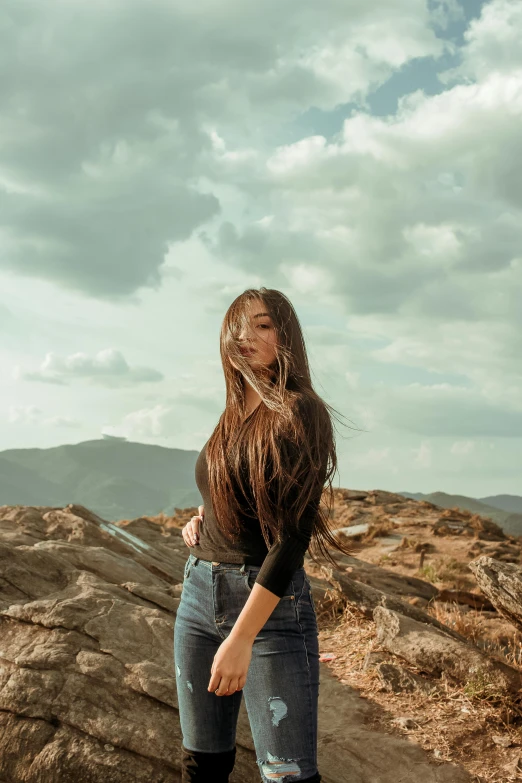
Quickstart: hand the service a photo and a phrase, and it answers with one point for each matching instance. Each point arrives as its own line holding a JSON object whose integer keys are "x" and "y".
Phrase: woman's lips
{"x": 247, "y": 351}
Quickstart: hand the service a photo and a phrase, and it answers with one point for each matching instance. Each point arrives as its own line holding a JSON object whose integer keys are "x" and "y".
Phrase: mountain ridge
{"x": 117, "y": 479}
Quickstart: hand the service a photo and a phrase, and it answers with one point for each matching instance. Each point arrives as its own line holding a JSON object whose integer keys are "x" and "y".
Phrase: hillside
{"x": 115, "y": 478}
{"x": 507, "y": 512}
{"x": 510, "y": 503}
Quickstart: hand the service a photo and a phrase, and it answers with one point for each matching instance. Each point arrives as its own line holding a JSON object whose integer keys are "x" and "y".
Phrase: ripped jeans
{"x": 282, "y": 686}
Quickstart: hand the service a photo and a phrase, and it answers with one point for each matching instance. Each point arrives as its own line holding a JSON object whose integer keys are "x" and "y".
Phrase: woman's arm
{"x": 256, "y": 611}
{"x": 287, "y": 555}
{"x": 230, "y": 666}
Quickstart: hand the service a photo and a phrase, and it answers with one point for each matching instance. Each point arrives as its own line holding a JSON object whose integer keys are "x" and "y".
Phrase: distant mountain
{"x": 115, "y": 478}
{"x": 511, "y": 503}
{"x": 509, "y": 522}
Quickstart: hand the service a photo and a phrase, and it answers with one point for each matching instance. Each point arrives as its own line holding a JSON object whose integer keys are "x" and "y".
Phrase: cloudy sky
{"x": 365, "y": 158}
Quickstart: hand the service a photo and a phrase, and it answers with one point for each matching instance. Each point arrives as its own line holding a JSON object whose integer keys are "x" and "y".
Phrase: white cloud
{"x": 107, "y": 368}
{"x": 462, "y": 447}
{"x": 99, "y": 186}
{"x": 422, "y": 456}
{"x": 307, "y": 279}
{"x": 493, "y": 41}
{"x": 144, "y": 424}
{"x": 352, "y": 379}
{"x": 370, "y": 458}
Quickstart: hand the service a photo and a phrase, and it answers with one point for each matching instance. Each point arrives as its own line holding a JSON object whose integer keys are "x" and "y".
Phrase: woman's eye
{"x": 264, "y": 326}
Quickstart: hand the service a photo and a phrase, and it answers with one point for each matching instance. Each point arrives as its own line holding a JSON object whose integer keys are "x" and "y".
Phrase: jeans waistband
{"x": 216, "y": 565}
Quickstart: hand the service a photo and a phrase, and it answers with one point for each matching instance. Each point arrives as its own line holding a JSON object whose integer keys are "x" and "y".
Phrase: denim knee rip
{"x": 275, "y": 767}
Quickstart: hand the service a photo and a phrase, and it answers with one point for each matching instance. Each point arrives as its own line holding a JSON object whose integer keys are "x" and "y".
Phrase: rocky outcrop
{"x": 383, "y": 579}
{"x": 86, "y": 671}
{"x": 431, "y": 650}
{"x": 502, "y": 584}
{"x": 87, "y": 681}
{"x": 367, "y": 598}
{"x": 380, "y": 508}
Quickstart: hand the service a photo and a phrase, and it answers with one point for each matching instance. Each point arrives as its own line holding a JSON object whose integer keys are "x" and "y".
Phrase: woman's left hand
{"x": 230, "y": 666}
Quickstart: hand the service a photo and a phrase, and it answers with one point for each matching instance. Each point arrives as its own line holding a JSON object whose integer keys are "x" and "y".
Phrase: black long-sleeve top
{"x": 279, "y": 563}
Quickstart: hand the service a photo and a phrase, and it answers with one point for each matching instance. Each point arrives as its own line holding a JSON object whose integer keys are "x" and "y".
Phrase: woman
{"x": 246, "y": 622}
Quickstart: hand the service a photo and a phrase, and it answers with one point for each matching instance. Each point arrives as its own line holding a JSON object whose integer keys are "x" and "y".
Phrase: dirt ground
{"x": 485, "y": 738}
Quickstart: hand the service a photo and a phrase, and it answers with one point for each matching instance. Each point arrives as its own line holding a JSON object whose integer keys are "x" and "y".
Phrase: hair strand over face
{"x": 280, "y": 456}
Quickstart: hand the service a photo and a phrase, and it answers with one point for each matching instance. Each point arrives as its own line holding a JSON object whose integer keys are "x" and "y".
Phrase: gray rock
{"x": 398, "y": 679}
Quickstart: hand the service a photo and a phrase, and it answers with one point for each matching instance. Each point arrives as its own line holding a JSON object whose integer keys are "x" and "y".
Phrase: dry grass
{"x": 468, "y": 623}
{"x": 455, "y": 724}
{"x": 377, "y": 530}
{"x": 512, "y": 652}
{"x": 471, "y": 624}
{"x": 448, "y": 571}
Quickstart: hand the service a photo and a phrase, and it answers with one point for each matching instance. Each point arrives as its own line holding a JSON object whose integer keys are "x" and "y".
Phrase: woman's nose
{"x": 244, "y": 335}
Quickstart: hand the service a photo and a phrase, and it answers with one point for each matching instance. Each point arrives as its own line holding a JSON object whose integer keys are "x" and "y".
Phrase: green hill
{"x": 115, "y": 478}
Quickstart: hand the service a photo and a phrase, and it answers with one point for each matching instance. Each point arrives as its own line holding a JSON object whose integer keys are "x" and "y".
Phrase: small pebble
{"x": 327, "y": 656}
{"x": 502, "y": 740}
{"x": 406, "y": 723}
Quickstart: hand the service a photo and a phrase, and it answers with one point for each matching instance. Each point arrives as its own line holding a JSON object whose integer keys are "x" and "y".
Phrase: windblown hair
{"x": 283, "y": 453}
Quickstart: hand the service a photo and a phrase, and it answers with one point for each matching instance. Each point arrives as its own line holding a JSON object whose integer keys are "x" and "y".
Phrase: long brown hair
{"x": 283, "y": 453}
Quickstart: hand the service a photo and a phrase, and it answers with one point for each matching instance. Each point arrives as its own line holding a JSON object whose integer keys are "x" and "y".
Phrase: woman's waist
{"x": 241, "y": 552}
{"x": 217, "y": 558}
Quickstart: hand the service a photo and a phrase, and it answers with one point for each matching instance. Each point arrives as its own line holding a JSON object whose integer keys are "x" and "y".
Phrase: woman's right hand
{"x": 190, "y": 532}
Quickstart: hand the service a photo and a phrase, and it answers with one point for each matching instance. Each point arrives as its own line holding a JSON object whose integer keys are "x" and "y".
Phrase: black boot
{"x": 197, "y": 767}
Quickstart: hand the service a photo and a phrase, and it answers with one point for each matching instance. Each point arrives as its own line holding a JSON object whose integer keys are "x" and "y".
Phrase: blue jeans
{"x": 282, "y": 686}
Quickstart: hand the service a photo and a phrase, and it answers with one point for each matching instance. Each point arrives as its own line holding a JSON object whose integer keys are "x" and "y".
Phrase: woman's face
{"x": 259, "y": 335}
